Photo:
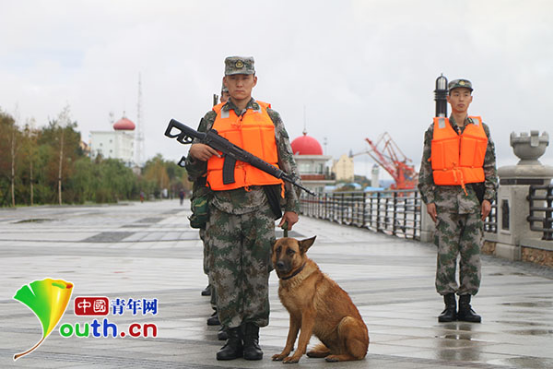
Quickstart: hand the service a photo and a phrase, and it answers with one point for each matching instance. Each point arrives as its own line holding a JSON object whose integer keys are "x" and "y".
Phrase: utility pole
{"x": 60, "y": 168}
{"x": 139, "y": 134}
{"x": 13, "y": 165}
{"x": 13, "y": 151}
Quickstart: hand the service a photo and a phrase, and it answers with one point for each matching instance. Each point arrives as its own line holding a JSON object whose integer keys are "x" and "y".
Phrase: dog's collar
{"x": 295, "y": 273}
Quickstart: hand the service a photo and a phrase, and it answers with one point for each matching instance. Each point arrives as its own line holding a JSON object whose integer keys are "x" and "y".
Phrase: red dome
{"x": 306, "y": 145}
{"x": 124, "y": 124}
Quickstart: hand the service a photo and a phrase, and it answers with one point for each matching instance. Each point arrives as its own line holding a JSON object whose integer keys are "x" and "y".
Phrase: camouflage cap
{"x": 460, "y": 83}
{"x": 239, "y": 65}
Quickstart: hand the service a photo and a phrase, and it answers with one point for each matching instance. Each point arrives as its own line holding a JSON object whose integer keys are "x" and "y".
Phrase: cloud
{"x": 346, "y": 70}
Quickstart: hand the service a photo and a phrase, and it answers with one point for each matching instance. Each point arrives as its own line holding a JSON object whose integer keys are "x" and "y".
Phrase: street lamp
{"x": 441, "y": 91}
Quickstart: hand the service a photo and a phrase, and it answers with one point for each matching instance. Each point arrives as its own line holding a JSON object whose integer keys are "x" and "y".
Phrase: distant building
{"x": 85, "y": 148}
{"x": 343, "y": 169}
{"x": 312, "y": 164}
{"x": 375, "y": 176}
{"x": 116, "y": 144}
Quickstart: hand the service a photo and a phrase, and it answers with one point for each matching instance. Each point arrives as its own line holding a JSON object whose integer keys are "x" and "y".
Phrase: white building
{"x": 117, "y": 144}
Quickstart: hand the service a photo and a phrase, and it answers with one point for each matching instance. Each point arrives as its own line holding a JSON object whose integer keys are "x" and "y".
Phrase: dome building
{"x": 312, "y": 164}
{"x": 116, "y": 144}
{"x": 124, "y": 124}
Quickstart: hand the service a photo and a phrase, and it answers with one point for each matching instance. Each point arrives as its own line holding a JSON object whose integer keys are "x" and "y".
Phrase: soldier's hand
{"x": 432, "y": 211}
{"x": 290, "y": 217}
{"x": 485, "y": 209}
{"x": 202, "y": 152}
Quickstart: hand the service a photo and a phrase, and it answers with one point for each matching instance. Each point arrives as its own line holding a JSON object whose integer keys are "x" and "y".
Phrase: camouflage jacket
{"x": 240, "y": 201}
{"x": 453, "y": 198}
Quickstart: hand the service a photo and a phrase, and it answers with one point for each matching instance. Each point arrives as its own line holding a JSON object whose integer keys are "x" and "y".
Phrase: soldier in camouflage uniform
{"x": 241, "y": 228}
{"x": 458, "y": 213}
{"x": 201, "y": 196}
{"x": 200, "y": 186}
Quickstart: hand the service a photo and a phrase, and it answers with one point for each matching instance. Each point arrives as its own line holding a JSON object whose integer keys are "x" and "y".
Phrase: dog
{"x": 317, "y": 305}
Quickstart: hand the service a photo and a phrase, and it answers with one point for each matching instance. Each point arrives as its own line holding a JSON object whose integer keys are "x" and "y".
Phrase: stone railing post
{"x": 513, "y": 227}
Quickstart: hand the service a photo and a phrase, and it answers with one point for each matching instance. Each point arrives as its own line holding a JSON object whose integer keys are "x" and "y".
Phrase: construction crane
{"x": 389, "y": 156}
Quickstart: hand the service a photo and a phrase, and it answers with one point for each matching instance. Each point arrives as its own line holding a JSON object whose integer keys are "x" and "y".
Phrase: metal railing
{"x": 540, "y": 210}
{"x": 490, "y": 224}
{"x": 395, "y": 213}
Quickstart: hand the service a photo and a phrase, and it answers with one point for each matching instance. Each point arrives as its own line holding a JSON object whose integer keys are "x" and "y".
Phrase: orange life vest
{"x": 254, "y": 132}
{"x": 458, "y": 159}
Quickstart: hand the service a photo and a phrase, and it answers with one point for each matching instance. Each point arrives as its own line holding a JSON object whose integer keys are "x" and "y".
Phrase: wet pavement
{"x": 146, "y": 251}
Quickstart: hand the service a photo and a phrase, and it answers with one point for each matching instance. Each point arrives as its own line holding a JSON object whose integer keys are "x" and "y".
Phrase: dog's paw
{"x": 278, "y": 357}
{"x": 291, "y": 360}
{"x": 332, "y": 359}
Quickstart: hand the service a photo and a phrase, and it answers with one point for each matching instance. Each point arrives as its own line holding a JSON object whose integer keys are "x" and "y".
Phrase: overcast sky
{"x": 346, "y": 69}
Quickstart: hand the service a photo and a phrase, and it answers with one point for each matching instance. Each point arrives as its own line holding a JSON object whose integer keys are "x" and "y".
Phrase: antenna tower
{"x": 139, "y": 134}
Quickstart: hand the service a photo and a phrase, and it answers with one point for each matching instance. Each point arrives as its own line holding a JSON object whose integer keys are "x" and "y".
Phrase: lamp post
{"x": 441, "y": 91}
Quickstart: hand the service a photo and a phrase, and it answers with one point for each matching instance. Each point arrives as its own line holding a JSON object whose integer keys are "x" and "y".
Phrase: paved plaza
{"x": 146, "y": 251}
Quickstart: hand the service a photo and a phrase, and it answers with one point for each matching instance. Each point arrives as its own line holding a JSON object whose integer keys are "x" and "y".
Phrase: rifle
{"x": 232, "y": 153}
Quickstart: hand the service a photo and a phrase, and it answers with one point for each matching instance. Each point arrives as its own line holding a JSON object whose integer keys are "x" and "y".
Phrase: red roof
{"x": 124, "y": 124}
{"x": 306, "y": 145}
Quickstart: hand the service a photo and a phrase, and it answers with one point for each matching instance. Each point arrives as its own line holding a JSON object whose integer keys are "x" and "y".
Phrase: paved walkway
{"x": 148, "y": 251}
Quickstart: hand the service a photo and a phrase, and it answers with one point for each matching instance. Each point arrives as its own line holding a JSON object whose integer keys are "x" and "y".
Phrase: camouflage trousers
{"x": 206, "y": 265}
{"x": 240, "y": 259}
{"x": 458, "y": 234}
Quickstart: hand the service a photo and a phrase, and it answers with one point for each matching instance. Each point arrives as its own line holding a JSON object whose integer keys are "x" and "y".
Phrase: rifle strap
{"x": 479, "y": 189}
{"x": 273, "y": 194}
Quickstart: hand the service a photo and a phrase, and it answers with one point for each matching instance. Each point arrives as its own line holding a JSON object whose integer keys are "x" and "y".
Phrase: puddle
{"x": 458, "y": 337}
{"x": 532, "y": 332}
{"x": 529, "y": 304}
{"x": 37, "y": 220}
{"x": 524, "y": 362}
{"x": 150, "y": 220}
{"x": 519, "y": 323}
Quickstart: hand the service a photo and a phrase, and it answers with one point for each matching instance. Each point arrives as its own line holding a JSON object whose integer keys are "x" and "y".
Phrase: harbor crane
{"x": 388, "y": 155}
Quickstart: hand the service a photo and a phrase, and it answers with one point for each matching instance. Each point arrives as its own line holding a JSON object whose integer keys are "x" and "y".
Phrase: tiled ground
{"x": 148, "y": 251}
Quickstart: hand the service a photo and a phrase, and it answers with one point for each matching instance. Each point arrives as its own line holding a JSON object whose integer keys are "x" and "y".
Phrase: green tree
{"x": 9, "y": 137}
{"x": 155, "y": 172}
{"x": 103, "y": 180}
{"x": 48, "y": 165}
{"x": 64, "y": 149}
{"x": 164, "y": 175}
{"x": 28, "y": 160}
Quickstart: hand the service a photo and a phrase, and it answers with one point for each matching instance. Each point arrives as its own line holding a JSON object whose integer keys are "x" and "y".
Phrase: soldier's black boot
{"x": 449, "y": 312}
{"x": 222, "y": 334}
{"x": 213, "y": 319}
{"x": 233, "y": 347}
{"x": 252, "y": 350}
{"x": 465, "y": 312}
{"x": 207, "y": 291}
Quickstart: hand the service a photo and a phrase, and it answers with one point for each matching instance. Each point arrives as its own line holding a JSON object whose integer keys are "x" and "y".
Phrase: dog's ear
{"x": 305, "y": 244}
